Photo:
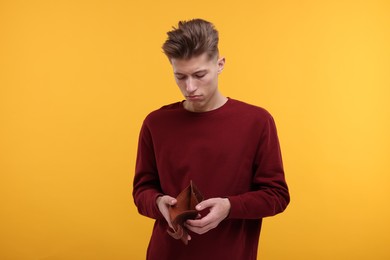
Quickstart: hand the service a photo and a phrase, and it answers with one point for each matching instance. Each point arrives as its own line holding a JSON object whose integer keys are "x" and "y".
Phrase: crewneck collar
{"x": 210, "y": 112}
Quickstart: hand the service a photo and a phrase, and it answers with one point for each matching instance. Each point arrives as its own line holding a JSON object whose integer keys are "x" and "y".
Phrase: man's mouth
{"x": 193, "y": 97}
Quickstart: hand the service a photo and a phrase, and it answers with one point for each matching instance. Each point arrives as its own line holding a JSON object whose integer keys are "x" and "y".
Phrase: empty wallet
{"x": 184, "y": 209}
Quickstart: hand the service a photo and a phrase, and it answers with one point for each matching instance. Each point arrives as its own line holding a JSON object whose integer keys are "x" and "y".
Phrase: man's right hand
{"x": 163, "y": 203}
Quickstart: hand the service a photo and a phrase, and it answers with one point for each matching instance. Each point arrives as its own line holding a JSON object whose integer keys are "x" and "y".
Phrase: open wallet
{"x": 184, "y": 209}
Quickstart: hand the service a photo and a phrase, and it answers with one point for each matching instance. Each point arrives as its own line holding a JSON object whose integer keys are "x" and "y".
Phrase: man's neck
{"x": 199, "y": 108}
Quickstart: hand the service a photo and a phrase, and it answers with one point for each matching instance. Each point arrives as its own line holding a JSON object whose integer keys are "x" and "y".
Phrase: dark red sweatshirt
{"x": 230, "y": 152}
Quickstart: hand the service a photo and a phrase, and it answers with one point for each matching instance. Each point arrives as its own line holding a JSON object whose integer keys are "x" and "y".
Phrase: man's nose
{"x": 190, "y": 85}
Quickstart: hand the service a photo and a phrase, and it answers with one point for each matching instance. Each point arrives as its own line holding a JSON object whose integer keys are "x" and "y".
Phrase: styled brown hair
{"x": 190, "y": 39}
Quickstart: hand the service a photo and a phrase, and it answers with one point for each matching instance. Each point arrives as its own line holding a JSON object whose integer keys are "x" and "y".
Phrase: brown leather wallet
{"x": 184, "y": 209}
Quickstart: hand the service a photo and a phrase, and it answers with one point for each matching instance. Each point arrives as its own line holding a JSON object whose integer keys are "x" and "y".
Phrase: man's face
{"x": 197, "y": 79}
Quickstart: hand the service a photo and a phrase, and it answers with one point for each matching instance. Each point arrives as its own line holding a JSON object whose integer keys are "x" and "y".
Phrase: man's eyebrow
{"x": 198, "y": 71}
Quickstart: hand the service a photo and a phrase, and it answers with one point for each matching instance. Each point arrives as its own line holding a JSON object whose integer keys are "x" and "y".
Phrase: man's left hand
{"x": 219, "y": 210}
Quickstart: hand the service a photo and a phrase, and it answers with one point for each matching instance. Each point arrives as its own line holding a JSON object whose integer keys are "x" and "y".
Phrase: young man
{"x": 228, "y": 148}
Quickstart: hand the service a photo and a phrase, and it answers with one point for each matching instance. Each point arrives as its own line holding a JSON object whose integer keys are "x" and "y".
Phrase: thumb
{"x": 171, "y": 201}
{"x": 205, "y": 204}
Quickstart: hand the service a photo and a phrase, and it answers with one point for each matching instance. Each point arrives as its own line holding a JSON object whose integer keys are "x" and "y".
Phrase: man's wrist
{"x": 228, "y": 205}
{"x": 158, "y": 199}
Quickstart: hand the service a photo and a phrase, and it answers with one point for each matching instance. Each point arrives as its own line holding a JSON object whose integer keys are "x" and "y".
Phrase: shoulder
{"x": 250, "y": 110}
{"x": 164, "y": 111}
{"x": 254, "y": 117}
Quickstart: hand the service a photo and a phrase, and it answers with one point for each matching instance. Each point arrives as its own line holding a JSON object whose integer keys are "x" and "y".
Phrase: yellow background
{"x": 78, "y": 77}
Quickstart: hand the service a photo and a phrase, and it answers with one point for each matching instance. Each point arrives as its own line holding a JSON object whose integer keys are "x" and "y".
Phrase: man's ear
{"x": 221, "y": 64}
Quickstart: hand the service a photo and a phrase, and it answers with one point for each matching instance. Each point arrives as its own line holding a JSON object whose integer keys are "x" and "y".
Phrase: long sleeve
{"x": 270, "y": 194}
{"x": 146, "y": 185}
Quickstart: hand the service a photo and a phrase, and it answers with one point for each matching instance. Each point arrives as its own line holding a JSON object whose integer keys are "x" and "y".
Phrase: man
{"x": 228, "y": 148}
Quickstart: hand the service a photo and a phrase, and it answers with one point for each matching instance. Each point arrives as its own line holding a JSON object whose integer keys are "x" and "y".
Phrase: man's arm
{"x": 270, "y": 194}
{"x": 146, "y": 184}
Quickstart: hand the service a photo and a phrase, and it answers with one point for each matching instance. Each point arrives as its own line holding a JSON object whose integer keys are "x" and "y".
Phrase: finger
{"x": 169, "y": 200}
{"x": 205, "y": 204}
{"x": 201, "y": 222}
{"x": 172, "y": 201}
{"x": 201, "y": 230}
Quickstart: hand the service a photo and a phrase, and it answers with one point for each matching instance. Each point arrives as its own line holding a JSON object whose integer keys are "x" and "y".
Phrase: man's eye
{"x": 199, "y": 76}
{"x": 180, "y": 77}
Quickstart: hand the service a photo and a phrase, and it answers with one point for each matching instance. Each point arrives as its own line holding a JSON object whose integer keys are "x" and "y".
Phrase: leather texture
{"x": 184, "y": 209}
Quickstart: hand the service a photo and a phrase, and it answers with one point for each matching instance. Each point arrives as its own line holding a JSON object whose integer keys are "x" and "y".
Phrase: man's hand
{"x": 163, "y": 203}
{"x": 219, "y": 210}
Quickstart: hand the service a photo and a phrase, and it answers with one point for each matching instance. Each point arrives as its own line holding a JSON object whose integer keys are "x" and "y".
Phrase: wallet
{"x": 184, "y": 209}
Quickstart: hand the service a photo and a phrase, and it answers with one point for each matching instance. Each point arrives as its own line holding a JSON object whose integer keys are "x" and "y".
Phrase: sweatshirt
{"x": 231, "y": 152}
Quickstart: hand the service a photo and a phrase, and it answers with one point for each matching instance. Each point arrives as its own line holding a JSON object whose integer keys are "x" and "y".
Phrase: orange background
{"x": 78, "y": 77}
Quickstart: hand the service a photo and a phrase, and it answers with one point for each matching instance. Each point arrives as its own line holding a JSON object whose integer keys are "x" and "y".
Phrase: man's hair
{"x": 190, "y": 39}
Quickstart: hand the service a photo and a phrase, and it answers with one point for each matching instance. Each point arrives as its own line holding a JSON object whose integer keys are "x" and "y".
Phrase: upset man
{"x": 228, "y": 148}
